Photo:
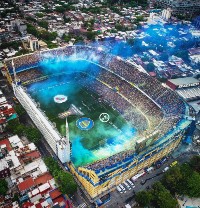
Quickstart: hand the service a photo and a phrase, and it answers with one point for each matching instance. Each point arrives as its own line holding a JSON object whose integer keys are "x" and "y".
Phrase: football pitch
{"x": 109, "y": 132}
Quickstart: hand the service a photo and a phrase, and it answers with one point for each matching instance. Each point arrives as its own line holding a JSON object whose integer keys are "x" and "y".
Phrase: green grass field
{"x": 103, "y": 140}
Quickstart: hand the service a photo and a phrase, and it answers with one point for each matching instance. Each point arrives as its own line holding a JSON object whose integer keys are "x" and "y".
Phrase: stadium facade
{"x": 169, "y": 119}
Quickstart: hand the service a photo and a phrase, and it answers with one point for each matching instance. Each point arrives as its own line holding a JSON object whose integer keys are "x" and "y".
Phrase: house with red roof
{"x": 26, "y": 185}
{"x": 7, "y": 112}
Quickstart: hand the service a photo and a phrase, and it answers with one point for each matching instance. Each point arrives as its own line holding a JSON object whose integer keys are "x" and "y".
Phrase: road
{"x": 78, "y": 198}
{"x": 119, "y": 200}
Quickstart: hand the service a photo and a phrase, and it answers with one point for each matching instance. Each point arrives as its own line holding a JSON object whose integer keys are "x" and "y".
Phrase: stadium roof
{"x": 184, "y": 81}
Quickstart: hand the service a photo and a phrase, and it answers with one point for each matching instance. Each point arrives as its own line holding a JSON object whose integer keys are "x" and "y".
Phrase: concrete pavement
{"x": 120, "y": 200}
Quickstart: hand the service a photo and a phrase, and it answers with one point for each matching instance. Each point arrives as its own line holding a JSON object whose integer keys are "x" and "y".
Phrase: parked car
{"x": 174, "y": 163}
{"x": 165, "y": 169}
{"x": 127, "y": 186}
{"x": 123, "y": 189}
{"x": 131, "y": 183}
{"x": 119, "y": 189}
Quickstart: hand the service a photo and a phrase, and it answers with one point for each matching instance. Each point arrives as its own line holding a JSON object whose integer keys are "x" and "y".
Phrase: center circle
{"x": 104, "y": 117}
{"x": 84, "y": 123}
{"x": 60, "y": 98}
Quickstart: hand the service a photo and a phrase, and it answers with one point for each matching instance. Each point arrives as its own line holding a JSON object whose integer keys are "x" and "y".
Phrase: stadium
{"x": 103, "y": 117}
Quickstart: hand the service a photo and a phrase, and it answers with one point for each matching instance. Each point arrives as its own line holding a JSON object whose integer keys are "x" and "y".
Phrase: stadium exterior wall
{"x": 59, "y": 145}
{"x": 94, "y": 184}
{"x": 94, "y": 189}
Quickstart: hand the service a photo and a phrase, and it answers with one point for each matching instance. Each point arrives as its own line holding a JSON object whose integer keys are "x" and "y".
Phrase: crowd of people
{"x": 28, "y": 75}
{"x": 164, "y": 109}
{"x": 126, "y": 109}
{"x": 111, "y": 161}
{"x": 138, "y": 100}
{"x": 57, "y": 53}
{"x": 22, "y": 62}
{"x": 136, "y": 95}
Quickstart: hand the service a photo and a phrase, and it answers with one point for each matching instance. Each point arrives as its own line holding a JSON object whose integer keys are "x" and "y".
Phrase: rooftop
{"x": 55, "y": 194}
{"x": 43, "y": 178}
{"x": 7, "y": 143}
{"x": 15, "y": 141}
{"x": 26, "y": 184}
{"x": 194, "y": 51}
{"x": 3, "y": 164}
{"x": 33, "y": 155}
{"x": 184, "y": 81}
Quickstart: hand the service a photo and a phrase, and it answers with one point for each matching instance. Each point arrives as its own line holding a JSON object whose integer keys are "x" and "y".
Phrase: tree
{"x": 92, "y": 21}
{"x": 43, "y": 24}
{"x": 13, "y": 44}
{"x": 51, "y": 45}
{"x": 193, "y": 185}
{"x": 12, "y": 124}
{"x": 187, "y": 172}
{"x": 52, "y": 165}
{"x": 139, "y": 19}
{"x": 172, "y": 178}
{"x": 67, "y": 38}
{"x": 47, "y": 36}
{"x": 143, "y": 198}
{"x": 119, "y": 27}
{"x": 47, "y": 9}
{"x": 22, "y": 51}
{"x": 64, "y": 179}
{"x": 162, "y": 197}
{"x": 19, "y": 130}
{"x": 39, "y": 14}
{"x": 60, "y": 9}
{"x": 66, "y": 182}
{"x": 3, "y": 187}
{"x": 32, "y": 30}
{"x": 150, "y": 67}
{"x": 79, "y": 39}
{"x": 29, "y": 18}
{"x": 66, "y": 19}
{"x": 15, "y": 198}
{"x": 195, "y": 163}
{"x": 33, "y": 134}
{"x": 91, "y": 35}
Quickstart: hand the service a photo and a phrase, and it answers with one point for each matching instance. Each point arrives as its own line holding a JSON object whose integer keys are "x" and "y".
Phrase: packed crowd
{"x": 110, "y": 161}
{"x": 28, "y": 75}
{"x": 138, "y": 100}
{"x": 169, "y": 101}
{"x": 131, "y": 91}
{"x": 118, "y": 102}
{"x": 57, "y": 53}
{"x": 126, "y": 109}
{"x": 23, "y": 62}
{"x": 168, "y": 124}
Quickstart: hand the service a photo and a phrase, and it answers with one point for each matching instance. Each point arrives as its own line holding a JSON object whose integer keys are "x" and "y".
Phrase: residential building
{"x": 181, "y": 7}
{"x": 7, "y": 112}
{"x": 34, "y": 45}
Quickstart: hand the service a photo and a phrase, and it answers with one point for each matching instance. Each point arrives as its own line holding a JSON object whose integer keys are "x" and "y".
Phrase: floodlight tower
{"x": 14, "y": 72}
{"x": 64, "y": 147}
{"x": 16, "y": 79}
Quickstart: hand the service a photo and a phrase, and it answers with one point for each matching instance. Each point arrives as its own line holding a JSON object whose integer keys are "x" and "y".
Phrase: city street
{"x": 100, "y": 103}
{"x": 119, "y": 200}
